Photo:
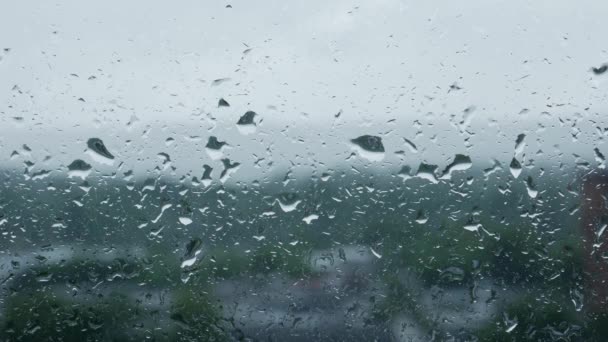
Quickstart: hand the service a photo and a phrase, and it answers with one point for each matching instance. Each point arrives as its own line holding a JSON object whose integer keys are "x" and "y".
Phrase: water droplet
{"x": 510, "y": 324}
{"x": 193, "y": 249}
{"x": 411, "y": 145}
{"x": 472, "y": 227}
{"x": 405, "y": 173}
{"x": 452, "y": 274}
{"x": 288, "y": 202}
{"x": 600, "y": 70}
{"x": 246, "y": 124}
{"x": 98, "y": 151}
{"x": 214, "y": 148}
{"x": 427, "y": 172}
{"x": 515, "y": 168}
{"x": 223, "y": 103}
{"x": 577, "y": 299}
{"x": 421, "y": 217}
{"x": 308, "y": 219}
{"x": 206, "y": 179}
{"x": 42, "y": 174}
{"x": 369, "y": 147}
{"x": 79, "y": 168}
{"x": 44, "y": 277}
{"x": 460, "y": 163}
{"x": 164, "y": 157}
{"x": 376, "y": 254}
{"x": 532, "y": 192}
{"x": 519, "y": 144}
{"x": 599, "y": 157}
{"x": 219, "y": 81}
{"x": 162, "y": 210}
{"x": 185, "y": 220}
{"x": 229, "y": 168}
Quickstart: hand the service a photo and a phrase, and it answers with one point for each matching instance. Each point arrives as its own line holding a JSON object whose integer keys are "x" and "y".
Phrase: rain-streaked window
{"x": 303, "y": 171}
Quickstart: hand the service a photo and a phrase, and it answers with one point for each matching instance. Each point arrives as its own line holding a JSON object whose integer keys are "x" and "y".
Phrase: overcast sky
{"x": 144, "y": 71}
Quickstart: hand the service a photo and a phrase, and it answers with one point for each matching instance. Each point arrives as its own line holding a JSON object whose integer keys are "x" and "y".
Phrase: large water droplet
{"x": 427, "y": 172}
{"x": 193, "y": 249}
{"x": 421, "y": 217}
{"x": 288, "y": 202}
{"x": 460, "y": 163}
{"x": 214, "y": 148}
{"x": 531, "y": 187}
{"x": 223, "y": 103}
{"x": 246, "y": 124}
{"x": 308, "y": 219}
{"x": 229, "y": 168}
{"x": 185, "y": 220}
{"x": 79, "y": 168}
{"x": 599, "y": 157}
{"x": 98, "y": 151}
{"x": 206, "y": 179}
{"x": 405, "y": 173}
{"x": 515, "y": 168}
{"x": 600, "y": 70}
{"x": 369, "y": 146}
{"x": 519, "y": 144}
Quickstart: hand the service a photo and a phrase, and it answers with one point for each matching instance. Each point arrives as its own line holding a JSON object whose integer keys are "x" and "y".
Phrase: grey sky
{"x": 374, "y": 60}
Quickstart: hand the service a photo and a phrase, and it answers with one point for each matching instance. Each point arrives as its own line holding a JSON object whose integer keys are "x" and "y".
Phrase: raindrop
{"x": 405, "y": 173}
{"x": 223, "y": 103}
{"x": 515, "y": 168}
{"x": 472, "y": 227}
{"x": 214, "y": 148}
{"x": 185, "y": 220}
{"x": 219, "y": 81}
{"x": 162, "y": 210}
{"x": 427, "y": 172}
{"x": 246, "y": 124}
{"x": 460, "y": 163}
{"x": 44, "y": 277}
{"x": 288, "y": 202}
{"x": 510, "y": 324}
{"x": 193, "y": 249}
{"x": 577, "y": 299}
{"x": 532, "y": 192}
{"x": 98, "y": 151}
{"x": 164, "y": 157}
{"x": 308, "y": 219}
{"x": 519, "y": 144}
{"x": 42, "y": 174}
{"x": 421, "y": 217}
{"x": 487, "y": 172}
{"x": 600, "y": 70}
{"x": 376, "y": 254}
{"x": 79, "y": 168}
{"x": 452, "y": 274}
{"x": 229, "y": 168}
{"x": 411, "y": 145}
{"x": 206, "y": 179}
{"x": 599, "y": 157}
{"x": 369, "y": 147}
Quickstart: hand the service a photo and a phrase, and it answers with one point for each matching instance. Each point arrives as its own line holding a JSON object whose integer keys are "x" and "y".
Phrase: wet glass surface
{"x": 306, "y": 171}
